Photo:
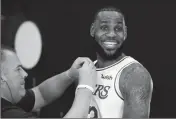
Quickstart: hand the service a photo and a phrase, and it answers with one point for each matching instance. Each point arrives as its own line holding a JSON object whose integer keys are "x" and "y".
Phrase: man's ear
{"x": 2, "y": 72}
{"x": 3, "y": 77}
{"x": 92, "y": 30}
{"x": 125, "y": 32}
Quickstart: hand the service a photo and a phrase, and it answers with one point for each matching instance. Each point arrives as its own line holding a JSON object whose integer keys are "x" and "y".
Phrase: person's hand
{"x": 87, "y": 74}
{"x": 78, "y": 63}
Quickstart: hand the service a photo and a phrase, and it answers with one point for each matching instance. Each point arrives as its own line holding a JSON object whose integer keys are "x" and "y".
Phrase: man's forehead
{"x": 11, "y": 56}
{"x": 9, "y": 53}
{"x": 110, "y": 15}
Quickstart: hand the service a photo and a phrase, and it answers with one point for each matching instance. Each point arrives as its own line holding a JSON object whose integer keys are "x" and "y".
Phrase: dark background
{"x": 64, "y": 27}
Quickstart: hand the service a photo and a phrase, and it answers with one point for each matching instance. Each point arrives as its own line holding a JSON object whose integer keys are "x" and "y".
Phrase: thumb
{"x": 85, "y": 64}
{"x": 78, "y": 64}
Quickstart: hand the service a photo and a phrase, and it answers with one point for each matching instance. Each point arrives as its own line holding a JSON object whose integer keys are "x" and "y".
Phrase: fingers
{"x": 87, "y": 73}
{"x": 88, "y": 62}
{"x": 88, "y": 66}
{"x": 83, "y": 60}
{"x": 80, "y": 62}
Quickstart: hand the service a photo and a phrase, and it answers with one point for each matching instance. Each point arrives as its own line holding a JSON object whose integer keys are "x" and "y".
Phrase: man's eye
{"x": 18, "y": 69}
{"x": 104, "y": 28}
{"x": 118, "y": 28}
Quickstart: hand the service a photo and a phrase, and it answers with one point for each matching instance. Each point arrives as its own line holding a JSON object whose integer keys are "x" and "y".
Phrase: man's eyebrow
{"x": 19, "y": 66}
{"x": 103, "y": 21}
{"x": 120, "y": 22}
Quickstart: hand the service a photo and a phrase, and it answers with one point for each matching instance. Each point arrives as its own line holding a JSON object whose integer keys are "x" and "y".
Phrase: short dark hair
{"x": 3, "y": 48}
{"x": 108, "y": 8}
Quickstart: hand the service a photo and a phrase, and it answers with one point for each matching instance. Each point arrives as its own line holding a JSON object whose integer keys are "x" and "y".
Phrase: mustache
{"x": 106, "y": 37}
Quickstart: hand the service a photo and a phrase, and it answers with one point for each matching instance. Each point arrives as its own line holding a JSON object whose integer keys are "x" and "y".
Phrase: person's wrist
{"x": 87, "y": 87}
{"x": 85, "y": 83}
{"x": 84, "y": 91}
{"x": 68, "y": 75}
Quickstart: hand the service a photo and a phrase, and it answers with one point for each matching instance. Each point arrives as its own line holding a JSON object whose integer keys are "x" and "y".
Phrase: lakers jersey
{"x": 107, "y": 101}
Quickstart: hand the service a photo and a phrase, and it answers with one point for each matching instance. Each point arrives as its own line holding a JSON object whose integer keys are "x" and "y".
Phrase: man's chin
{"x": 22, "y": 92}
{"x": 110, "y": 52}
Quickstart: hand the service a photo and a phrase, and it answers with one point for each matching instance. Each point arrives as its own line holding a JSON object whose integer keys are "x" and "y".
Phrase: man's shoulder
{"x": 136, "y": 66}
{"x": 135, "y": 78}
{"x": 12, "y": 111}
{"x": 15, "y": 112}
{"x": 30, "y": 99}
{"x": 135, "y": 74}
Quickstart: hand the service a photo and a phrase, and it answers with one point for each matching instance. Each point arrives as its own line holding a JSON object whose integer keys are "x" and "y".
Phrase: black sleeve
{"x": 28, "y": 101}
{"x": 15, "y": 112}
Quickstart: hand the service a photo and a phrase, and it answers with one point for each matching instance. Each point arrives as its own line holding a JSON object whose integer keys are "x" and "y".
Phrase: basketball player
{"x": 16, "y": 102}
{"x": 124, "y": 86}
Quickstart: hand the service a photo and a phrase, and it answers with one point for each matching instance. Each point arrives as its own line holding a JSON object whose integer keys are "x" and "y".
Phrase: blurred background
{"x": 64, "y": 30}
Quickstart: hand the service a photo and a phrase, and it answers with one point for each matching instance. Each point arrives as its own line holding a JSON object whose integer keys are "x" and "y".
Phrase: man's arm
{"x": 136, "y": 88}
{"x": 50, "y": 90}
{"x": 54, "y": 87}
{"x": 80, "y": 105}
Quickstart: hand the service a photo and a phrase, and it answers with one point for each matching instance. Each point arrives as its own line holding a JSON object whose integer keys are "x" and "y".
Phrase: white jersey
{"x": 107, "y": 101}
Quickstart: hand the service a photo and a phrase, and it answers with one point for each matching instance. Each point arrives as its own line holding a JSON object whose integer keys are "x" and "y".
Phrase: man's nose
{"x": 111, "y": 34}
{"x": 24, "y": 74}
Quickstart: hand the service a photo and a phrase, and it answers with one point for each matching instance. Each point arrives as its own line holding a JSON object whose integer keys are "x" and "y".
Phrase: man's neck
{"x": 6, "y": 94}
{"x": 4, "y": 97}
{"x": 101, "y": 62}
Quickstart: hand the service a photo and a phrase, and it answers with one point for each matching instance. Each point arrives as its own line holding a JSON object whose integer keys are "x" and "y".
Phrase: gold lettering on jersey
{"x": 106, "y": 77}
{"x": 102, "y": 91}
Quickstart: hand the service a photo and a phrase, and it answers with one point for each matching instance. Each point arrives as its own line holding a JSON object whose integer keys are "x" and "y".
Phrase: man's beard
{"x": 98, "y": 49}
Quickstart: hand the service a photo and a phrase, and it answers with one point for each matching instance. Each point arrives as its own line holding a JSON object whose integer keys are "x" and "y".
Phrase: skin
{"x": 136, "y": 87}
{"x": 12, "y": 70}
{"x": 13, "y": 76}
{"x": 135, "y": 81}
{"x": 109, "y": 27}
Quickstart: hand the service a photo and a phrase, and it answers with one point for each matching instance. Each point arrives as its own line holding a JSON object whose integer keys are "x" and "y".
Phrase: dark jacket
{"x": 20, "y": 110}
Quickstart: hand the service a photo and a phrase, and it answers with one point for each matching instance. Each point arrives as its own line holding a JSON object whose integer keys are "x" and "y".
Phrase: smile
{"x": 110, "y": 45}
{"x": 22, "y": 86}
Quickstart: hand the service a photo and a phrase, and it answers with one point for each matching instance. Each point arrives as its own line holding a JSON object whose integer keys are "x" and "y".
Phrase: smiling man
{"x": 124, "y": 86}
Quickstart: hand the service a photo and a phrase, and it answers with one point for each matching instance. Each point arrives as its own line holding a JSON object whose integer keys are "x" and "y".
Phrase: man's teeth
{"x": 110, "y": 43}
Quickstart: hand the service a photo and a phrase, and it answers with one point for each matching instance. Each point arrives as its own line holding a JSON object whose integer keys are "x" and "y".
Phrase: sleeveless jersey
{"x": 107, "y": 101}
